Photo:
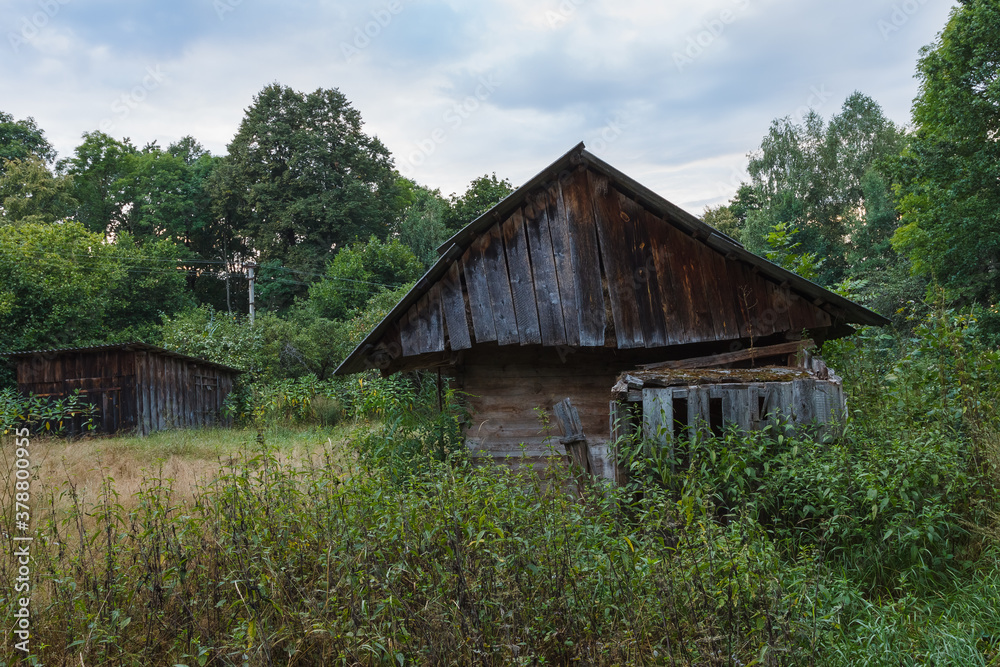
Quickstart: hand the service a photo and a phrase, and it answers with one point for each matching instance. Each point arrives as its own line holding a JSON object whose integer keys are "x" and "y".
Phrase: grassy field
{"x": 189, "y": 459}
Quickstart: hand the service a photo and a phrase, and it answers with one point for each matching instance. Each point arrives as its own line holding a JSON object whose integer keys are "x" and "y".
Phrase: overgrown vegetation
{"x": 771, "y": 549}
{"x": 46, "y": 415}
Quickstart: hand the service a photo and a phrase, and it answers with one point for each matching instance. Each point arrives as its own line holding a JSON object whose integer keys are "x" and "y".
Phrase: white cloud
{"x": 566, "y": 69}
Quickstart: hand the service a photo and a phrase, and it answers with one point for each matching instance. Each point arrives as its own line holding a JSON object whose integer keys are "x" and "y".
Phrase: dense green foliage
{"x": 44, "y": 415}
{"x": 61, "y": 285}
{"x": 306, "y": 178}
{"x": 483, "y": 193}
{"x": 948, "y": 175}
{"x": 21, "y": 140}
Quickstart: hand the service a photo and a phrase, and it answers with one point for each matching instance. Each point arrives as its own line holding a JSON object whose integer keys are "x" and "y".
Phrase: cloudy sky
{"x": 673, "y": 93}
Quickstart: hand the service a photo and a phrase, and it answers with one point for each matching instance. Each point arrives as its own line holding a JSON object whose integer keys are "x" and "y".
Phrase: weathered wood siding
{"x": 133, "y": 389}
{"x": 180, "y": 393}
{"x": 504, "y": 391}
{"x": 105, "y": 378}
{"x": 582, "y": 264}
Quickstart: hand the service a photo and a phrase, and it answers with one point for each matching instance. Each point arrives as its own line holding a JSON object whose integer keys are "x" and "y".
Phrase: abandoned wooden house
{"x": 585, "y": 285}
{"x": 134, "y": 386}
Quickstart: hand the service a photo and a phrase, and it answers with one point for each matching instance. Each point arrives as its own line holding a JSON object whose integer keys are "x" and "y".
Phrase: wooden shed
{"x": 135, "y": 386}
{"x": 578, "y": 277}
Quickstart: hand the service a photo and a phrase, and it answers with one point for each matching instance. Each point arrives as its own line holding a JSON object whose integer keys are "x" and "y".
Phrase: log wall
{"x": 504, "y": 390}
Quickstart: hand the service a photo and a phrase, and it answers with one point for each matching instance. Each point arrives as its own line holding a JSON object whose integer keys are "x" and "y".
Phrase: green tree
{"x": 62, "y": 285}
{"x": 947, "y": 178}
{"x": 309, "y": 180}
{"x": 422, "y": 225}
{"x": 29, "y": 192}
{"x": 146, "y": 281}
{"x": 358, "y": 273}
{"x": 21, "y": 139}
{"x": 100, "y": 168}
{"x": 52, "y": 285}
{"x": 722, "y": 218}
{"x": 813, "y": 175}
{"x": 483, "y": 194}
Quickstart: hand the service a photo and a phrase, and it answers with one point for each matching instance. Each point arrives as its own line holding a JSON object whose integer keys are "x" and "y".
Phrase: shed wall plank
{"x": 543, "y": 271}
{"x": 586, "y": 262}
{"x": 617, "y": 263}
{"x": 453, "y": 301}
{"x": 498, "y": 282}
{"x": 562, "y": 252}
{"x": 521, "y": 283}
{"x": 479, "y": 293}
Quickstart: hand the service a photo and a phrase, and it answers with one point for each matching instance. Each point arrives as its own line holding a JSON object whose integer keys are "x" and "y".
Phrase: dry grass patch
{"x": 184, "y": 459}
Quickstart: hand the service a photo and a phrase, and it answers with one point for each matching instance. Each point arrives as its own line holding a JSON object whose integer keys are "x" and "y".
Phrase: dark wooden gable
{"x": 577, "y": 258}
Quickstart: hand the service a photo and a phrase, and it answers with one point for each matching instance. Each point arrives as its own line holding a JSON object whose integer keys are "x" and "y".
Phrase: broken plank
{"x": 732, "y": 357}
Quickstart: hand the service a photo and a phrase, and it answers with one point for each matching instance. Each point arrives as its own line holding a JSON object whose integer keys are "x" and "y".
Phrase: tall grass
{"x": 316, "y": 564}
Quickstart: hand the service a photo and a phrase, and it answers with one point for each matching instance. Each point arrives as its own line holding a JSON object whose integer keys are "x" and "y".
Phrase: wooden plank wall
{"x": 105, "y": 378}
{"x": 180, "y": 393}
{"x": 139, "y": 390}
{"x": 504, "y": 390}
{"x": 539, "y": 277}
{"x": 749, "y": 406}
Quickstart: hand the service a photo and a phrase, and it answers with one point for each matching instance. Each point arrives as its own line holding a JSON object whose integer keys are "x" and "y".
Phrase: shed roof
{"x": 123, "y": 347}
{"x": 475, "y": 237}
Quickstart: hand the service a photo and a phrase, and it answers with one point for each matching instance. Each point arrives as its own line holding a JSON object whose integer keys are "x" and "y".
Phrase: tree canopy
{"x": 818, "y": 177}
{"x": 948, "y": 182}
{"x": 22, "y": 139}
{"x": 483, "y": 194}
{"x": 307, "y": 179}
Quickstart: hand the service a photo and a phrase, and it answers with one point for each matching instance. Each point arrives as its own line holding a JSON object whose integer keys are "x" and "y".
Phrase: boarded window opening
{"x": 679, "y": 444}
{"x": 680, "y": 417}
{"x": 715, "y": 417}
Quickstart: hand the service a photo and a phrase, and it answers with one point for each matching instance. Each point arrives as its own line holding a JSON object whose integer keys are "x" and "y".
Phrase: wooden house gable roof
{"x": 584, "y": 256}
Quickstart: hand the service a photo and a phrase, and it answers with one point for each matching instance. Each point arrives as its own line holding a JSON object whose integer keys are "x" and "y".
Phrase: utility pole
{"x": 250, "y": 267}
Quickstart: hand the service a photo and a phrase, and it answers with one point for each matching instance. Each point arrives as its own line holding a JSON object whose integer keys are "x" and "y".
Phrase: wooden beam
{"x": 574, "y": 439}
{"x": 732, "y": 357}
